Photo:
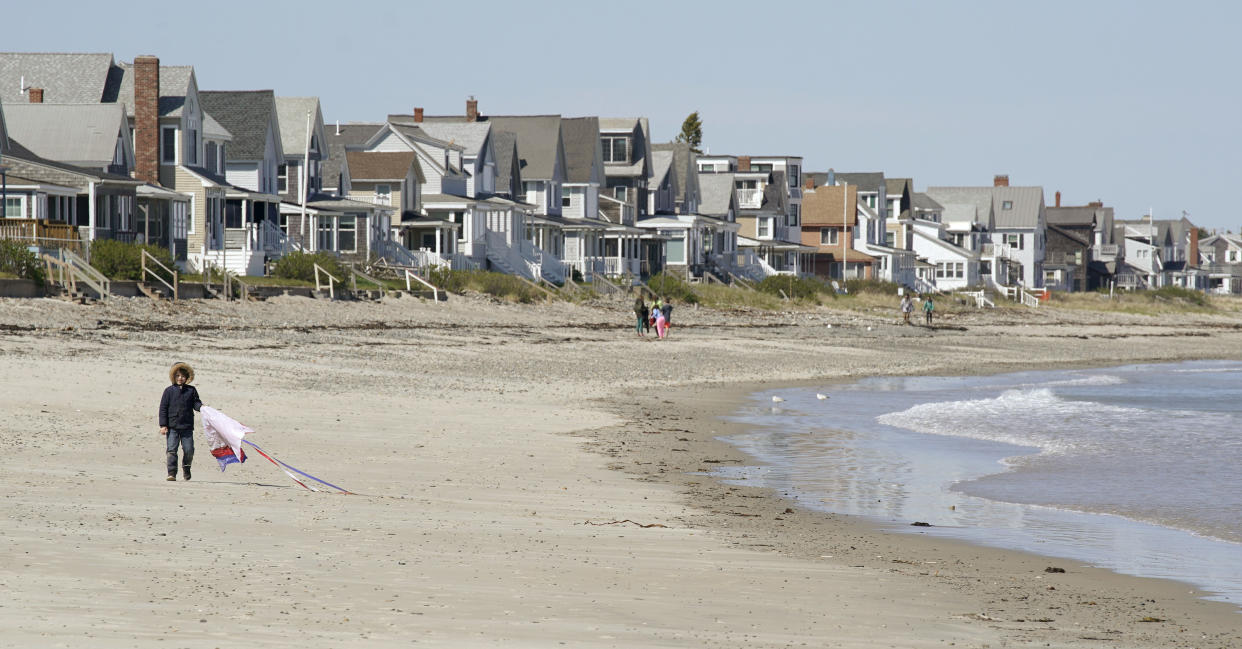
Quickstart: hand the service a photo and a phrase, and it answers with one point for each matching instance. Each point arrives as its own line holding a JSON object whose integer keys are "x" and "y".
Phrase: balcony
{"x": 749, "y": 198}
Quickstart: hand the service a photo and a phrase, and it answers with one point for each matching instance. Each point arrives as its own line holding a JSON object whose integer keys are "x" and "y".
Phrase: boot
{"x": 185, "y": 472}
{"x": 171, "y": 477}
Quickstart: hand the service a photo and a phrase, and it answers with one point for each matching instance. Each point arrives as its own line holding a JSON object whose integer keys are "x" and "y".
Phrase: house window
{"x": 383, "y": 194}
{"x": 531, "y": 189}
{"x": 1013, "y": 241}
{"x": 282, "y": 178}
{"x": 566, "y": 196}
{"x": 620, "y": 192}
{"x": 765, "y": 228}
{"x": 959, "y": 269}
{"x": 794, "y": 215}
{"x": 180, "y": 221}
{"x": 211, "y": 156}
{"x": 828, "y": 236}
{"x": 675, "y": 251}
{"x": 347, "y": 233}
{"x": 795, "y": 176}
{"x": 890, "y": 239}
{"x": 325, "y": 233}
{"x": 616, "y": 149}
{"x": 14, "y": 207}
{"x": 168, "y": 145}
{"x": 1006, "y": 205}
{"x": 1232, "y": 255}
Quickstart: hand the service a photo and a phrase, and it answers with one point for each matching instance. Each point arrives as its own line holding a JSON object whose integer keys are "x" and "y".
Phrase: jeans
{"x": 184, "y": 438}
{"x": 642, "y": 322}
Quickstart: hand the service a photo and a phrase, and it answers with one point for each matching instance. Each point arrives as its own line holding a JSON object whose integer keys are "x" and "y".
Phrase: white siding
{"x": 243, "y": 174}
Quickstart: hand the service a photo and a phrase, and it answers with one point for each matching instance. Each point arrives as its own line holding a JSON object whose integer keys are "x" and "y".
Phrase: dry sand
{"x": 492, "y": 449}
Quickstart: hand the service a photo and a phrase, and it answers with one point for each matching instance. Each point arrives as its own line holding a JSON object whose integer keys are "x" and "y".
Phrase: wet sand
{"x": 526, "y": 476}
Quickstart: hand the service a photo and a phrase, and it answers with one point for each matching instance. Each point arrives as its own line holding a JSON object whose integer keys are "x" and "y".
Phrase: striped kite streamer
{"x": 287, "y": 469}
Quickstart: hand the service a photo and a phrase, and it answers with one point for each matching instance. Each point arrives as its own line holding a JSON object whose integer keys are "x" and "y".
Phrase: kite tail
{"x": 287, "y": 468}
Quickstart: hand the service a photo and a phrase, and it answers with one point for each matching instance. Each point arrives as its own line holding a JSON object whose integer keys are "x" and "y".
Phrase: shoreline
{"x": 497, "y": 460}
{"x": 1020, "y": 593}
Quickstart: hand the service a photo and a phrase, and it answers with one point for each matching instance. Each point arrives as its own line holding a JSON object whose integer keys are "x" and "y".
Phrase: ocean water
{"x": 1137, "y": 469}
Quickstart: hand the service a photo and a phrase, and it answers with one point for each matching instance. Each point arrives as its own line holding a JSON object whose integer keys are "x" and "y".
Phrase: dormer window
{"x": 616, "y": 149}
{"x": 1006, "y": 205}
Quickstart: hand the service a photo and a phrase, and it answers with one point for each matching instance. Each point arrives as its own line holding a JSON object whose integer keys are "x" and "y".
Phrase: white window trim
{"x": 21, "y": 200}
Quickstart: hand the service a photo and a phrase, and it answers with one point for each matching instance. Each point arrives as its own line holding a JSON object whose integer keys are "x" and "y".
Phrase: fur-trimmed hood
{"x": 172, "y": 373}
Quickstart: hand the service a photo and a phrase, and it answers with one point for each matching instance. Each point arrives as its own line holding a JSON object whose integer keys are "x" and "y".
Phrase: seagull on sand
{"x": 777, "y": 399}
{"x": 821, "y": 396}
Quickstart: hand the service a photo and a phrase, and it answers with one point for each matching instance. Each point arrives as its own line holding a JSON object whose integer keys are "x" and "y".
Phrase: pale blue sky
{"x": 1133, "y": 103}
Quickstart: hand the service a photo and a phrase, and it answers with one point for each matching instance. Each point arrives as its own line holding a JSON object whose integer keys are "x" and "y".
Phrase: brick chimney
{"x": 1192, "y": 249}
{"x": 1095, "y": 204}
{"x": 1058, "y": 199}
{"x": 743, "y": 163}
{"x": 1000, "y": 181}
{"x": 810, "y": 182}
{"x": 418, "y": 113}
{"x": 36, "y": 95}
{"x": 472, "y": 110}
{"x": 147, "y": 119}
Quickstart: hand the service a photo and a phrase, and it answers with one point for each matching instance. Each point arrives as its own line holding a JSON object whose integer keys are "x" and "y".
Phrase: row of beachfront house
{"x": 94, "y": 148}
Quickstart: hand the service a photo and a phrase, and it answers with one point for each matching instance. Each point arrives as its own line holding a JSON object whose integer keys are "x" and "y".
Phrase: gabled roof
{"x": 247, "y": 114}
{"x": 871, "y": 181}
{"x": 25, "y": 163}
{"x": 375, "y": 165}
{"x": 470, "y": 136}
{"x": 66, "y": 78}
{"x": 1081, "y": 216}
{"x": 291, "y": 114}
{"x": 964, "y": 203}
{"x": 898, "y": 185}
{"x": 353, "y": 134}
{"x": 661, "y": 163}
{"x": 1023, "y": 206}
{"x": 926, "y": 203}
{"x": 583, "y": 154}
{"x": 830, "y": 205}
{"x": 79, "y": 134}
{"x": 505, "y": 144}
{"x": 717, "y": 194}
{"x": 538, "y": 142}
{"x": 174, "y": 85}
{"x": 683, "y": 162}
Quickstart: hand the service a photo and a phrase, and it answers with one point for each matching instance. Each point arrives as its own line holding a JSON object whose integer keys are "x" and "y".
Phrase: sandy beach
{"x": 523, "y": 476}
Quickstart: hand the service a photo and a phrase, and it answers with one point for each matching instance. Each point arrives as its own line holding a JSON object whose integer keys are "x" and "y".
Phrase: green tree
{"x": 692, "y": 131}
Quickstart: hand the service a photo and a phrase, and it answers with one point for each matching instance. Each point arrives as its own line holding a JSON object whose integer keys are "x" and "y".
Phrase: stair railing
{"x": 145, "y": 271}
{"x": 435, "y": 292}
{"x": 87, "y": 273}
{"x": 331, "y": 281}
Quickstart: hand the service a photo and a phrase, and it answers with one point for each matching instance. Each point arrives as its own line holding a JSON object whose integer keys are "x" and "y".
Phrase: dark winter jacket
{"x": 177, "y": 407}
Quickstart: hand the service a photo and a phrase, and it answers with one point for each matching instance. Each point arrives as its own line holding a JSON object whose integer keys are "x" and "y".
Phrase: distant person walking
{"x": 668, "y": 315}
{"x": 640, "y": 312}
{"x": 907, "y": 307}
{"x": 177, "y": 406}
{"x": 661, "y": 324}
{"x": 928, "y": 307}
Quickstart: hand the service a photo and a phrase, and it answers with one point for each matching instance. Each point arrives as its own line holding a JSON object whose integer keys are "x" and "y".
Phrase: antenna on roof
{"x": 22, "y": 83}
{"x": 338, "y": 127}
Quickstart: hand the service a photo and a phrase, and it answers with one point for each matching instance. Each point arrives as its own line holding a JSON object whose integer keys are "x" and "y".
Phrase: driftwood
{"x": 588, "y": 522}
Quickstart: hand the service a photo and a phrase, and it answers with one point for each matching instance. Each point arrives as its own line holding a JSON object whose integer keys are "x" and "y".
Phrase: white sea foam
{"x": 1023, "y": 417}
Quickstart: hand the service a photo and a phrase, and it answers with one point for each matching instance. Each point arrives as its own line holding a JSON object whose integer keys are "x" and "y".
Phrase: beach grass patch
{"x": 123, "y": 261}
{"x": 17, "y": 260}
{"x": 301, "y": 266}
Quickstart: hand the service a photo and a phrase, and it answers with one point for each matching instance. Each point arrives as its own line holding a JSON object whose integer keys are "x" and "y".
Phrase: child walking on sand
{"x": 177, "y": 406}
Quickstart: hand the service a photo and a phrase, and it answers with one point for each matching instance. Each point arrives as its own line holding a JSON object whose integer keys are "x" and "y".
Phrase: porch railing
{"x": 43, "y": 234}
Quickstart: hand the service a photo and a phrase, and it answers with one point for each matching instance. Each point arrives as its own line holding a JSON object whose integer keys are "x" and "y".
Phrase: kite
{"x": 226, "y": 435}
